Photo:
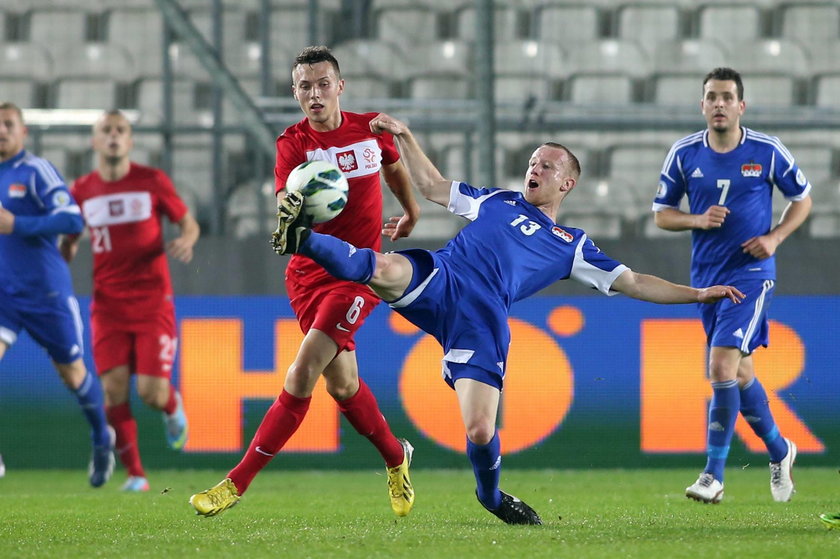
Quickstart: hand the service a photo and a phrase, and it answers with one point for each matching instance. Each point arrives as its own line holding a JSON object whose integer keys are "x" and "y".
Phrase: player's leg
{"x": 479, "y": 404}
{"x": 116, "y": 381}
{"x": 280, "y": 422}
{"x": 155, "y": 350}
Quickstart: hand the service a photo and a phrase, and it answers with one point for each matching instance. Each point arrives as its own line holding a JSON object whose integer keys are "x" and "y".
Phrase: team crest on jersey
{"x": 116, "y": 208}
{"x": 17, "y": 190}
{"x": 662, "y": 190}
{"x": 61, "y": 199}
{"x": 800, "y": 178}
{"x": 751, "y": 169}
{"x": 565, "y": 235}
{"x": 347, "y": 161}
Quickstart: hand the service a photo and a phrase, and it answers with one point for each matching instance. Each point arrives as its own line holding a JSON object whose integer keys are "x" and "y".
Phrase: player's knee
{"x": 480, "y": 432}
{"x": 300, "y": 380}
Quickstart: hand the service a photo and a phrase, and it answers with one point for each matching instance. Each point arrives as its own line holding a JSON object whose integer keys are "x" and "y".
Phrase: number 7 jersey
{"x": 130, "y": 271}
{"x": 741, "y": 180}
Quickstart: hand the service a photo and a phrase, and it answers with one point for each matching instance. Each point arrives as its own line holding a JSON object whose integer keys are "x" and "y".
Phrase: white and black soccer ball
{"x": 324, "y": 186}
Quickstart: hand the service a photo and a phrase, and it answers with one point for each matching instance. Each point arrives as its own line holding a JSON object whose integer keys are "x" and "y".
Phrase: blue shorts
{"x": 471, "y": 327}
{"x": 52, "y": 320}
{"x": 741, "y": 325}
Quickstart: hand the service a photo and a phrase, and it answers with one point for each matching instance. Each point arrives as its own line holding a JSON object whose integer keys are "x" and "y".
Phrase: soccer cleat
{"x": 212, "y": 501}
{"x": 399, "y": 483}
{"x": 781, "y": 475}
{"x": 706, "y": 489}
{"x": 2, "y": 467}
{"x": 292, "y": 224}
{"x": 177, "y": 429}
{"x": 831, "y": 521}
{"x": 102, "y": 461}
{"x": 513, "y": 511}
{"x": 135, "y": 484}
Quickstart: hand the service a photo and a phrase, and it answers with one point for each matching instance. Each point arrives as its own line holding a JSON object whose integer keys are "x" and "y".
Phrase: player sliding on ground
{"x": 462, "y": 293}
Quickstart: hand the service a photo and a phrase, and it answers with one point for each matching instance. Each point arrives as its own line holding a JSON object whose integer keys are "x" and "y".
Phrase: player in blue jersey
{"x": 462, "y": 293}
{"x": 36, "y": 292}
{"x": 728, "y": 172}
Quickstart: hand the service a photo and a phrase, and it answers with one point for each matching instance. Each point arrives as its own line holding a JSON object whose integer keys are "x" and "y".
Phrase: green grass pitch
{"x": 586, "y": 514}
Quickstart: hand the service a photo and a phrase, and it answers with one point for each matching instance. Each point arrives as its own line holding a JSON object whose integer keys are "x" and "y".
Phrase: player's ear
{"x": 568, "y": 184}
{"x": 340, "y": 86}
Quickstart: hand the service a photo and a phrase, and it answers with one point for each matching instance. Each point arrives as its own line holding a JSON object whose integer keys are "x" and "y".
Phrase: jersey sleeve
{"x": 287, "y": 158}
{"x": 390, "y": 154}
{"x": 170, "y": 202}
{"x": 52, "y": 190}
{"x": 465, "y": 199}
{"x": 594, "y": 268}
{"x": 671, "y": 187}
{"x": 787, "y": 175}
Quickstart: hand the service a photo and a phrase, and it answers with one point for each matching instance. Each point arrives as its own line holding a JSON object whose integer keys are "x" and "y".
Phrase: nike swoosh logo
{"x": 261, "y": 451}
{"x": 340, "y": 327}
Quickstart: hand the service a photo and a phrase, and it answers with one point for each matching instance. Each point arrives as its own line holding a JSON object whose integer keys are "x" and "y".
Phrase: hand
{"x": 383, "y": 122}
{"x": 398, "y": 227}
{"x": 715, "y": 293}
{"x": 180, "y": 249}
{"x": 761, "y": 247}
{"x": 712, "y": 218}
{"x": 7, "y": 221}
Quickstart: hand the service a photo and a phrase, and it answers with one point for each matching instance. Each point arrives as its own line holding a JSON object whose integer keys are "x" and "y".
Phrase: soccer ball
{"x": 324, "y": 186}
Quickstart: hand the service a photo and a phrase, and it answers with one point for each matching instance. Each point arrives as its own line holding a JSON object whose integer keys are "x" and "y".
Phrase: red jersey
{"x": 360, "y": 154}
{"x": 130, "y": 271}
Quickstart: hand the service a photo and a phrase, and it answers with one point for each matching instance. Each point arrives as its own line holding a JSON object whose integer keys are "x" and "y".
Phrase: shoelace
{"x": 775, "y": 474}
{"x": 706, "y": 480}
{"x": 218, "y": 497}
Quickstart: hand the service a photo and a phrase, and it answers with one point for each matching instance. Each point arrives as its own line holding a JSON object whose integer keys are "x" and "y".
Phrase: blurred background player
{"x": 36, "y": 292}
{"x": 728, "y": 172}
{"x": 462, "y": 293}
{"x": 330, "y": 311}
{"x": 132, "y": 312}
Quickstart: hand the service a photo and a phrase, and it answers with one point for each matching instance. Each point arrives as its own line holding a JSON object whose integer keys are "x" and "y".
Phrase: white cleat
{"x": 781, "y": 475}
{"x": 706, "y": 489}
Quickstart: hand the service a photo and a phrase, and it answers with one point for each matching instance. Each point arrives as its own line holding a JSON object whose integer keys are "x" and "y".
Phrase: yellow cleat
{"x": 399, "y": 483}
{"x": 220, "y": 497}
{"x": 830, "y": 520}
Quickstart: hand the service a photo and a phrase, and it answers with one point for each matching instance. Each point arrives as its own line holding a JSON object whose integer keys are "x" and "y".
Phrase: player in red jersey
{"x": 132, "y": 314}
{"x": 330, "y": 311}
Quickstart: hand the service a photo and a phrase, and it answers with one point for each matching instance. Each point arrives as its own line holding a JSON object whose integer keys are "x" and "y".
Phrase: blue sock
{"x": 723, "y": 411}
{"x": 341, "y": 259}
{"x": 487, "y": 465}
{"x": 755, "y": 409}
{"x": 90, "y": 398}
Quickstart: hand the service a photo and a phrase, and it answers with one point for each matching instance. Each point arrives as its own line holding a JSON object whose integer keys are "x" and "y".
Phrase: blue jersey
{"x": 510, "y": 250}
{"x": 743, "y": 181}
{"x": 31, "y": 266}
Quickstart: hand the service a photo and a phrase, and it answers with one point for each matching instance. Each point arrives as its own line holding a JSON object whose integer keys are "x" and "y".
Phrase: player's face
{"x": 112, "y": 137}
{"x": 12, "y": 134}
{"x": 548, "y": 175}
{"x": 317, "y": 88}
{"x": 721, "y": 105}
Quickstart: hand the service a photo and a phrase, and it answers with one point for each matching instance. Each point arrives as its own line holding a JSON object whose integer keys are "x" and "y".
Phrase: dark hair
{"x": 573, "y": 160}
{"x": 726, "y": 75}
{"x": 316, "y": 54}
{"x": 9, "y": 106}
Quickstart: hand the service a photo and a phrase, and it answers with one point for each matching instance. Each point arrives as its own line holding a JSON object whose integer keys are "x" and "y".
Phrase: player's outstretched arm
{"x": 398, "y": 181}
{"x": 672, "y": 219}
{"x": 422, "y": 171}
{"x": 657, "y": 290}
{"x": 181, "y": 248}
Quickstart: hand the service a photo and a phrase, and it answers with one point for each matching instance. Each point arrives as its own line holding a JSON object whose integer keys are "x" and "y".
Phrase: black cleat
{"x": 292, "y": 225}
{"x": 513, "y": 511}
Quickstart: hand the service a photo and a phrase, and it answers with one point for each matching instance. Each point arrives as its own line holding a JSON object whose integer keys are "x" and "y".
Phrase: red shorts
{"x": 147, "y": 347}
{"x": 336, "y": 309}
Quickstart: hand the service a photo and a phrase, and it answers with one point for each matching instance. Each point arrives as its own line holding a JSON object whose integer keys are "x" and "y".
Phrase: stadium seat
{"x": 445, "y": 56}
{"x": 406, "y": 26}
{"x": 370, "y": 58}
{"x": 639, "y": 166}
{"x": 769, "y": 90}
{"x": 89, "y": 60}
{"x": 812, "y": 23}
{"x": 58, "y": 29}
{"x": 600, "y": 88}
{"x": 149, "y": 94}
{"x": 824, "y": 57}
{"x": 648, "y": 24}
{"x": 193, "y": 165}
{"x": 827, "y": 91}
{"x": 140, "y": 31}
{"x": 440, "y": 86}
{"x": 726, "y": 23}
{"x": 697, "y": 56}
{"x": 824, "y": 221}
{"x": 25, "y": 60}
{"x": 780, "y": 56}
{"x": 85, "y": 93}
{"x": 569, "y": 25}
{"x": 817, "y": 161}
{"x": 233, "y": 24}
{"x": 21, "y": 91}
{"x": 602, "y": 208}
{"x": 526, "y": 68}
{"x": 509, "y": 22}
{"x": 678, "y": 90}
{"x": 610, "y": 55}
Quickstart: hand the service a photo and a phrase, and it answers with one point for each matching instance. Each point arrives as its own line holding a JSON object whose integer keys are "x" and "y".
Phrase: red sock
{"x": 171, "y": 403}
{"x": 280, "y": 422}
{"x": 125, "y": 426}
{"x": 362, "y": 411}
